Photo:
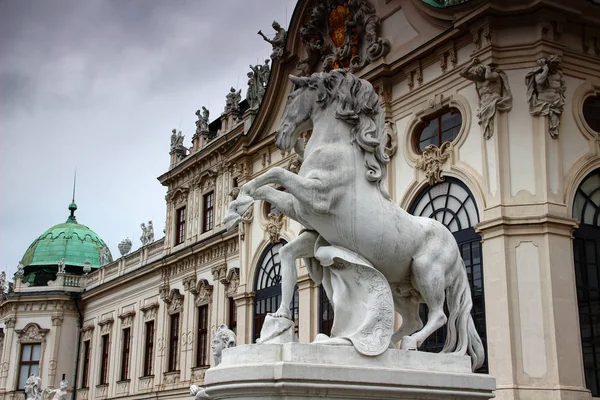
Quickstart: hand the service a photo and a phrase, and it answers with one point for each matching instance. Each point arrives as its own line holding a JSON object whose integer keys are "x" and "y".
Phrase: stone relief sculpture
{"x": 222, "y": 339}
{"x": 341, "y": 34}
{"x": 33, "y": 388}
{"x": 274, "y": 224}
{"x": 20, "y": 269}
{"x": 125, "y": 246}
{"x": 58, "y": 394}
{"x": 431, "y": 162}
{"x": 232, "y": 101}
{"x": 493, "y": 90}
{"x": 278, "y": 42}
{"x": 546, "y": 91}
{"x": 371, "y": 256}
{"x": 202, "y": 123}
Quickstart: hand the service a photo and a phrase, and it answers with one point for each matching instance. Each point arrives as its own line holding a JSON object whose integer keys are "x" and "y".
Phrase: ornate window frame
{"x": 591, "y": 87}
{"x": 31, "y": 333}
{"x": 433, "y": 106}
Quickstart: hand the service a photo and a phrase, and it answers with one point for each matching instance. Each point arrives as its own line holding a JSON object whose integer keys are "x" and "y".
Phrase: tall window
{"x": 125, "y": 354}
{"x": 173, "y": 342}
{"x": 180, "y": 229}
{"x": 232, "y": 322}
{"x": 437, "y": 129}
{"x": 30, "y": 362}
{"x": 209, "y": 200}
{"x": 267, "y": 288}
{"x": 85, "y": 375}
{"x": 104, "y": 360}
{"x": 202, "y": 348}
{"x": 591, "y": 112}
{"x": 452, "y": 204}
{"x": 325, "y": 312}
{"x": 149, "y": 348}
{"x": 586, "y": 249}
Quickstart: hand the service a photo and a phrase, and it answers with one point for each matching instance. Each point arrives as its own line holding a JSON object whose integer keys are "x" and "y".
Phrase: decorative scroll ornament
{"x": 173, "y": 299}
{"x": 274, "y": 224}
{"x": 32, "y": 333}
{"x": 231, "y": 282}
{"x": 341, "y": 34}
{"x": 431, "y": 162}
{"x": 546, "y": 91}
{"x": 202, "y": 292}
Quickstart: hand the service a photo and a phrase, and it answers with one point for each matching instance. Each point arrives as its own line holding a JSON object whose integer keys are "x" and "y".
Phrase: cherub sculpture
{"x": 60, "y": 393}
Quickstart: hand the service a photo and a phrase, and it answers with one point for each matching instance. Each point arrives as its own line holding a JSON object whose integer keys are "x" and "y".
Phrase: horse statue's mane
{"x": 358, "y": 104}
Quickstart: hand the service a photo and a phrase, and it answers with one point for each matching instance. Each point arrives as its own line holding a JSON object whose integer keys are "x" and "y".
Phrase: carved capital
{"x": 218, "y": 272}
{"x": 431, "y": 162}
{"x": 231, "y": 282}
{"x": 10, "y": 322}
{"x": 57, "y": 320}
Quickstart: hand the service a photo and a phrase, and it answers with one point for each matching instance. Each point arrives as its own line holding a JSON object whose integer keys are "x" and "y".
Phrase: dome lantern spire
{"x": 73, "y": 206}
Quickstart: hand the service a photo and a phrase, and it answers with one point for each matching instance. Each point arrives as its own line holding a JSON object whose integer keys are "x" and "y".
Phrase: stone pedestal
{"x": 306, "y": 371}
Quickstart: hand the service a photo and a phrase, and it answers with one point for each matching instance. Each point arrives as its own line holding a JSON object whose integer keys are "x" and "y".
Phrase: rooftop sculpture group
{"x": 257, "y": 84}
{"x": 33, "y": 389}
{"x": 278, "y": 42}
{"x": 147, "y": 233}
{"x": 371, "y": 256}
{"x": 232, "y": 101}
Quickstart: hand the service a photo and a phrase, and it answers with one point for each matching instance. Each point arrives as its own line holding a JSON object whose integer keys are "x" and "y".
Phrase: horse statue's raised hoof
{"x": 236, "y": 209}
{"x": 322, "y": 339}
{"x": 408, "y": 343}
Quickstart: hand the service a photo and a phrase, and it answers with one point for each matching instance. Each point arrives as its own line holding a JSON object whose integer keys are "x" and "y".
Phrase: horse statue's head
{"x": 352, "y": 100}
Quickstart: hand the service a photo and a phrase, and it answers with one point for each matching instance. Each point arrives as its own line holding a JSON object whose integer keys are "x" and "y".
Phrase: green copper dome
{"x": 74, "y": 242}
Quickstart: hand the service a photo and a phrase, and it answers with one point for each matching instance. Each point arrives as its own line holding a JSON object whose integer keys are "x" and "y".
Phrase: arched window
{"x": 438, "y": 128}
{"x": 591, "y": 112}
{"x": 267, "y": 288}
{"x": 586, "y": 254}
{"x": 452, "y": 204}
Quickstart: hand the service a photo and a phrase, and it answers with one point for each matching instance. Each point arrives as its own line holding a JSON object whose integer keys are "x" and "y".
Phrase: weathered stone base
{"x": 305, "y": 371}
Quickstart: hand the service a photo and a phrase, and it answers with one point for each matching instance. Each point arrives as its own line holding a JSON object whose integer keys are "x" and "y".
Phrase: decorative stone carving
{"x": 106, "y": 325}
{"x": 31, "y": 333}
{"x": 3, "y": 284}
{"x": 61, "y": 266}
{"x": 341, "y": 35}
{"x": 202, "y": 292}
{"x": 218, "y": 272}
{"x": 127, "y": 319}
{"x": 348, "y": 204}
{"x": 257, "y": 83}
{"x": 87, "y": 267}
{"x": 147, "y": 233}
{"x": 173, "y": 298}
{"x": 245, "y": 222}
{"x": 274, "y": 224}
{"x": 391, "y": 145}
{"x": 223, "y": 338}
{"x": 202, "y": 123}
{"x": 176, "y": 140}
{"x": 125, "y": 246}
{"x": 231, "y": 282}
{"x": 149, "y": 311}
{"x": 60, "y": 393}
{"x": 57, "y": 320}
{"x": 104, "y": 255}
{"x": 232, "y": 101}
{"x": 10, "y": 322}
{"x": 33, "y": 388}
{"x": 493, "y": 90}
{"x": 87, "y": 332}
{"x": 189, "y": 282}
{"x": 20, "y": 270}
{"x": 546, "y": 91}
{"x": 171, "y": 378}
{"x": 431, "y": 162}
{"x": 278, "y": 42}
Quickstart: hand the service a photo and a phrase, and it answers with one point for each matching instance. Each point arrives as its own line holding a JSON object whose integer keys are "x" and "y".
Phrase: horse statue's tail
{"x": 462, "y": 338}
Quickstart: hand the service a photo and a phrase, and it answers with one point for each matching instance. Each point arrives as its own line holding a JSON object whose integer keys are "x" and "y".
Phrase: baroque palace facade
{"x": 493, "y": 118}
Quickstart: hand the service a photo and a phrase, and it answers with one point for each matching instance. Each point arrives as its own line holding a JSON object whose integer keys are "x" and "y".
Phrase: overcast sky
{"x": 97, "y": 86}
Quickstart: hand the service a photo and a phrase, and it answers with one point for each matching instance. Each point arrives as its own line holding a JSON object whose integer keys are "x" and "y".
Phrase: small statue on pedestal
{"x": 278, "y": 42}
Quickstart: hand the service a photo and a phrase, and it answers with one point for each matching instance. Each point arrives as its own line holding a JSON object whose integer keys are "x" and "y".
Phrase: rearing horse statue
{"x": 340, "y": 196}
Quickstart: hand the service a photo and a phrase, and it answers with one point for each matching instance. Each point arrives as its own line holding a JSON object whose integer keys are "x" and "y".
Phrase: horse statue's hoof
{"x": 408, "y": 343}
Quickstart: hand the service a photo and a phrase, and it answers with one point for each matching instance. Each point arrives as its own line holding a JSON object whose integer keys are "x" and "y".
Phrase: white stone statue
{"x": 150, "y": 233}
{"x": 61, "y": 266}
{"x": 546, "y": 91}
{"x": 232, "y": 100}
{"x": 202, "y": 123}
{"x": 125, "y": 246}
{"x": 222, "y": 339}
{"x": 20, "y": 269}
{"x": 493, "y": 90}
{"x": 58, "y": 394}
{"x": 370, "y": 255}
{"x": 33, "y": 388}
{"x": 278, "y": 42}
{"x": 104, "y": 255}
{"x": 177, "y": 141}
